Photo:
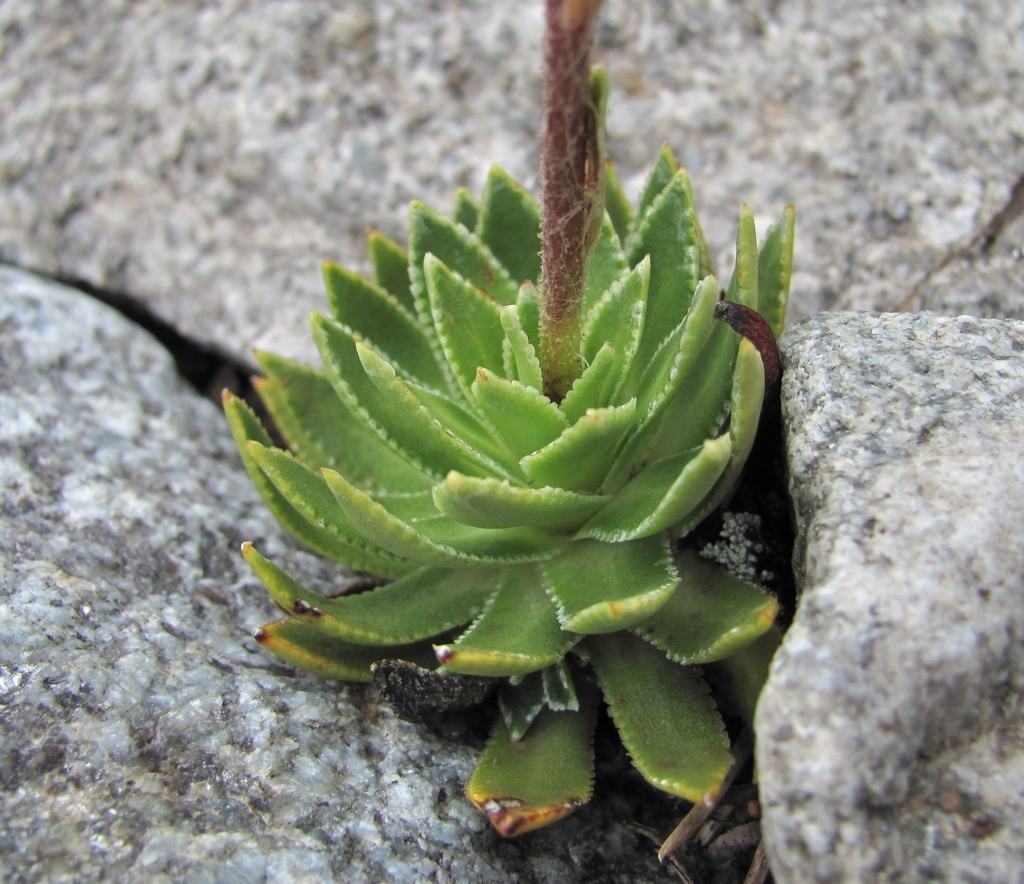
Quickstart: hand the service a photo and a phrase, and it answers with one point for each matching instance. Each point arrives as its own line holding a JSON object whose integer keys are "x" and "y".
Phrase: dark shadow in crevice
{"x": 206, "y": 369}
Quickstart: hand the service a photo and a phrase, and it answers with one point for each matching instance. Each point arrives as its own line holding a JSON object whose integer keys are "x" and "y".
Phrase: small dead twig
{"x": 758, "y": 871}
{"x": 699, "y": 813}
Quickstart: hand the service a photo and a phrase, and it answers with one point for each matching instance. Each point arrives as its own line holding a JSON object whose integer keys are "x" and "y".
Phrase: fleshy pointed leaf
{"x": 303, "y": 644}
{"x": 390, "y": 267}
{"x": 665, "y": 493}
{"x": 468, "y": 428}
{"x": 774, "y": 269}
{"x": 747, "y": 399}
{"x": 661, "y": 174}
{"x": 688, "y": 420}
{"x": 618, "y": 319}
{"x": 412, "y": 528}
{"x": 510, "y": 225}
{"x": 460, "y": 251}
{"x": 467, "y": 322}
{"x": 376, "y": 317}
{"x": 421, "y": 605}
{"x": 711, "y": 615}
{"x": 673, "y": 369}
{"x": 528, "y": 312}
{"x": 306, "y": 491}
{"x": 523, "y": 418}
{"x": 665, "y": 716}
{"x": 386, "y": 404}
{"x": 522, "y": 701}
{"x": 517, "y": 633}
{"x": 595, "y": 385}
{"x": 519, "y": 354}
{"x": 579, "y": 459}
{"x": 678, "y": 358}
{"x": 605, "y": 265}
{"x": 525, "y": 784}
{"x": 616, "y": 203}
{"x": 670, "y": 234}
{"x": 743, "y": 287}
{"x": 495, "y": 503}
{"x": 322, "y": 431}
{"x": 602, "y": 587}
{"x": 245, "y": 428}
{"x": 467, "y": 209}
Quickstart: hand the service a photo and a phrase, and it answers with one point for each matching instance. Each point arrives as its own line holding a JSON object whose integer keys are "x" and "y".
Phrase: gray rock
{"x": 891, "y": 732}
{"x": 144, "y": 735}
{"x": 205, "y": 159}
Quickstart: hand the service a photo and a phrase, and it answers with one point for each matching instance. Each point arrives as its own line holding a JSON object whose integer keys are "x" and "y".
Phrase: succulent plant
{"x": 523, "y": 531}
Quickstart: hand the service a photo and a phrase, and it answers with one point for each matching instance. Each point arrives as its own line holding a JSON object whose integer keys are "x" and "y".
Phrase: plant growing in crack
{"x": 516, "y": 445}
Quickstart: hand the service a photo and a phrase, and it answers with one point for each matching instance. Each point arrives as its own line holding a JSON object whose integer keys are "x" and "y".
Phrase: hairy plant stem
{"x": 571, "y": 166}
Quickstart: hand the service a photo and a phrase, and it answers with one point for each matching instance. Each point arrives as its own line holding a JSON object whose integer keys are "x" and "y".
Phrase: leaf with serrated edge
{"x": 665, "y": 716}
{"x": 678, "y": 358}
{"x": 620, "y": 213}
{"x": 523, "y": 785}
{"x": 302, "y": 644}
{"x": 411, "y": 527}
{"x": 460, "y": 251}
{"x": 523, "y": 364}
{"x": 711, "y": 615}
{"x": 618, "y": 319}
{"x": 674, "y": 366}
{"x": 375, "y": 316}
{"x": 522, "y": 701}
{"x": 686, "y": 420}
{"x": 390, "y": 267}
{"x": 322, "y": 431}
{"x": 469, "y": 428}
{"x": 467, "y": 322}
{"x": 522, "y": 417}
{"x": 421, "y": 605}
{"x": 307, "y": 492}
{"x": 579, "y": 459}
{"x": 605, "y": 264}
{"x": 602, "y": 587}
{"x": 387, "y": 405}
{"x": 595, "y": 385}
{"x": 661, "y": 175}
{"x": 467, "y": 209}
{"x": 510, "y": 225}
{"x": 747, "y": 399}
{"x": 517, "y": 633}
{"x": 495, "y": 503}
{"x": 670, "y": 234}
{"x": 665, "y": 493}
{"x": 774, "y": 269}
{"x": 617, "y": 316}
{"x": 245, "y": 428}
{"x": 528, "y": 313}
{"x": 743, "y": 285}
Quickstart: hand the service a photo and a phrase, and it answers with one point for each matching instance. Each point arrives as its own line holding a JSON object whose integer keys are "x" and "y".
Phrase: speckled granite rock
{"x": 206, "y": 158}
{"x": 891, "y": 732}
{"x": 143, "y": 735}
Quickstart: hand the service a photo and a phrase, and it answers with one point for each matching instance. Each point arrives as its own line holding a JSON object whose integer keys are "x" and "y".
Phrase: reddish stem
{"x": 568, "y": 142}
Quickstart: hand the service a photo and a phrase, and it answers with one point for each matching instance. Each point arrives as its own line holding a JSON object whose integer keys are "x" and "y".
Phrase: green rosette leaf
{"x": 542, "y": 777}
{"x": 665, "y": 715}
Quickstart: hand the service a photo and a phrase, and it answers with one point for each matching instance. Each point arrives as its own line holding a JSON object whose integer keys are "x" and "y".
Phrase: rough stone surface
{"x": 891, "y": 732}
{"x": 205, "y": 157}
{"x": 143, "y": 734}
